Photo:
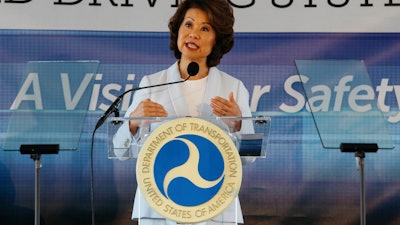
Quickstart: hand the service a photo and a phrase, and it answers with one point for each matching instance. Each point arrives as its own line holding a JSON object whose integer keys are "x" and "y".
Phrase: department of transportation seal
{"x": 189, "y": 170}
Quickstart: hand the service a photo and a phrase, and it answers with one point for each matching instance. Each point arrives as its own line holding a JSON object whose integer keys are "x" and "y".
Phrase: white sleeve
{"x": 122, "y": 139}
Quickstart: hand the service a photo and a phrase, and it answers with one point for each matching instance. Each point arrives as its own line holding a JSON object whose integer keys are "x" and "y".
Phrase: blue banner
{"x": 299, "y": 182}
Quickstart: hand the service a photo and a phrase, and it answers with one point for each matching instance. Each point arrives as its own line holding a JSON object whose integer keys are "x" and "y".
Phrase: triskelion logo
{"x": 189, "y": 170}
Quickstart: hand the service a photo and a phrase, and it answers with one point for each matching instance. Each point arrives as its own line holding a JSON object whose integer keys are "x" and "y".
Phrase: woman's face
{"x": 196, "y": 37}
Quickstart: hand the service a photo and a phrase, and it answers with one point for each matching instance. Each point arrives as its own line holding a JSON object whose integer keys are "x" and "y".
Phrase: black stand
{"x": 36, "y": 151}
{"x": 359, "y": 152}
{"x": 40, "y": 129}
{"x": 348, "y": 129}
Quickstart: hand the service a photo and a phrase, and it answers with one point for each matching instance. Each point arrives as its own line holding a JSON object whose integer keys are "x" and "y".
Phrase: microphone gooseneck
{"x": 192, "y": 69}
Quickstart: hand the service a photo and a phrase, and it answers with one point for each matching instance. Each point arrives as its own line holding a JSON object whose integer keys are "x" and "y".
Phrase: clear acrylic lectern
{"x": 345, "y": 110}
{"x": 49, "y": 111}
{"x": 188, "y": 145}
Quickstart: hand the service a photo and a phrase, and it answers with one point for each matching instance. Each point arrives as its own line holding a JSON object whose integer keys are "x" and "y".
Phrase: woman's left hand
{"x": 227, "y": 107}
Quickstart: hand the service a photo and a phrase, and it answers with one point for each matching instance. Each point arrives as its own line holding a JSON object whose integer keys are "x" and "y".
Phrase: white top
{"x": 194, "y": 90}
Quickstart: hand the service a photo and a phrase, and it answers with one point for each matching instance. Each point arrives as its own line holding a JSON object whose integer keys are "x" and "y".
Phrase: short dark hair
{"x": 220, "y": 14}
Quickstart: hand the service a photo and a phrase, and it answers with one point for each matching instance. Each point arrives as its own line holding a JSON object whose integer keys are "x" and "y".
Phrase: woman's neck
{"x": 203, "y": 70}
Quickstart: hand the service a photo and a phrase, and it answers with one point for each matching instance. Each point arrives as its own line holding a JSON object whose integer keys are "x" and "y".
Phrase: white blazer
{"x": 172, "y": 98}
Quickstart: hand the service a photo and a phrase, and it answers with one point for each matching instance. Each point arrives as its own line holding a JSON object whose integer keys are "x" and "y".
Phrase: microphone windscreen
{"x": 193, "y": 68}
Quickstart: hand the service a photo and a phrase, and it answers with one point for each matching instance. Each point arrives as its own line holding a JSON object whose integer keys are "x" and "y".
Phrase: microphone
{"x": 192, "y": 69}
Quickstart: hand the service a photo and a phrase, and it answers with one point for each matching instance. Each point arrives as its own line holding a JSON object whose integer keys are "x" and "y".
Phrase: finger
{"x": 217, "y": 109}
{"x": 148, "y": 108}
{"x": 231, "y": 98}
{"x": 154, "y": 109}
{"x": 234, "y": 106}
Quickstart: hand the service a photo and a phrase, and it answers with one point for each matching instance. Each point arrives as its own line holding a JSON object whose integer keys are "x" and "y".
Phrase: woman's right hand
{"x": 146, "y": 108}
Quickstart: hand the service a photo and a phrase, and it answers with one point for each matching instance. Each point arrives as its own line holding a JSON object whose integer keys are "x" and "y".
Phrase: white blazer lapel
{"x": 212, "y": 89}
{"x": 175, "y": 92}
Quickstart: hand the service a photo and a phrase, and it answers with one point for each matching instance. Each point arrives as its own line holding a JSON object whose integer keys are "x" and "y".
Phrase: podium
{"x": 352, "y": 120}
{"x": 189, "y": 169}
{"x": 49, "y": 111}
